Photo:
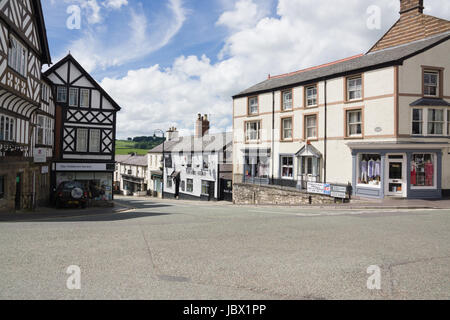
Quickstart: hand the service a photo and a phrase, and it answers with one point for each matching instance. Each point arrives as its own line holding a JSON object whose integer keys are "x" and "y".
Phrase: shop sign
{"x": 339, "y": 192}
{"x": 81, "y": 167}
{"x": 40, "y": 155}
{"x": 319, "y": 188}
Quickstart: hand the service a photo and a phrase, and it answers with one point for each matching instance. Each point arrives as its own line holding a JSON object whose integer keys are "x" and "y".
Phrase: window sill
{"x": 368, "y": 186}
{"x": 423, "y": 188}
{"x": 353, "y": 101}
{"x": 314, "y": 106}
{"x": 354, "y": 137}
{"x": 287, "y": 110}
{"x": 287, "y": 140}
{"x": 253, "y": 115}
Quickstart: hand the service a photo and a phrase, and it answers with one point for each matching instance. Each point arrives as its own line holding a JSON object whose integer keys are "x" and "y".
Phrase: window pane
{"x": 94, "y": 141}
{"x": 422, "y": 170}
{"x": 82, "y": 140}
{"x": 84, "y": 102}
{"x": 73, "y": 97}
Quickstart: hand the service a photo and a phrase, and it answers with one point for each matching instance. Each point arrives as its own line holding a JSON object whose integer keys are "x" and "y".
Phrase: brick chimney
{"x": 411, "y": 6}
{"x": 201, "y": 126}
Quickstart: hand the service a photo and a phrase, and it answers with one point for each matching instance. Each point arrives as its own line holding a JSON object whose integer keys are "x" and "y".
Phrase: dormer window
{"x": 17, "y": 56}
{"x": 431, "y": 83}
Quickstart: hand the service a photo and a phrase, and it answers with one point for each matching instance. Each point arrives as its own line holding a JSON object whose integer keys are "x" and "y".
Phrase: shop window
{"x": 190, "y": 185}
{"x": 256, "y": 167}
{"x": 2, "y": 187}
{"x": 369, "y": 169}
{"x": 286, "y": 101}
{"x": 205, "y": 187}
{"x": 417, "y": 122}
{"x": 423, "y": 169}
{"x": 435, "y": 121}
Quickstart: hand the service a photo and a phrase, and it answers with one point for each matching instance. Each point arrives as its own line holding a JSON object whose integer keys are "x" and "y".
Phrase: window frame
{"x": 358, "y": 170}
{"x": 78, "y": 149}
{"x": 435, "y": 158}
{"x": 88, "y": 97}
{"x": 283, "y": 129}
{"x": 288, "y": 166}
{"x": 250, "y": 114}
{"x": 346, "y": 87}
{"x": 97, "y": 150}
{"x": 7, "y": 128}
{"x": 190, "y": 186}
{"x": 306, "y": 89}
{"x": 435, "y": 122}
{"x": 422, "y": 122}
{"x": 22, "y": 69}
{"x": 63, "y": 89}
{"x": 305, "y": 127}
{"x": 206, "y": 184}
{"x": 283, "y": 101}
{"x": 347, "y": 123}
{"x": 258, "y": 131}
{"x": 440, "y": 79}
{"x": 71, "y": 90}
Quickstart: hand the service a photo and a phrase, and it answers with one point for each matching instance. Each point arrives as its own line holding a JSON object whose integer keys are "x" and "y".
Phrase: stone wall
{"x": 245, "y": 194}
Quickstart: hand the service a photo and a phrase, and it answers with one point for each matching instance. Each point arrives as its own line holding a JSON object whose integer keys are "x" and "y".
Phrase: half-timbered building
{"x": 23, "y": 50}
{"x": 85, "y": 130}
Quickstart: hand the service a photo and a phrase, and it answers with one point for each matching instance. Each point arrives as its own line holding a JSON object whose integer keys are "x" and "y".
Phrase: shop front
{"x": 400, "y": 172}
{"x": 96, "y": 177}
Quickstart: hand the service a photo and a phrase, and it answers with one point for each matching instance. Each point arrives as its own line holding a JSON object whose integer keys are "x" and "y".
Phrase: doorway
{"x": 396, "y": 182}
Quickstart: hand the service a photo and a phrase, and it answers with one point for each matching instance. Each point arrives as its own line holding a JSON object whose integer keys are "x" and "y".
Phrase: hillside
{"x": 139, "y": 145}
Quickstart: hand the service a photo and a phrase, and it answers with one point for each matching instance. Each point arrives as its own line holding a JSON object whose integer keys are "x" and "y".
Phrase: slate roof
{"x": 132, "y": 160}
{"x": 430, "y": 102}
{"x": 209, "y": 143}
{"x": 374, "y": 60}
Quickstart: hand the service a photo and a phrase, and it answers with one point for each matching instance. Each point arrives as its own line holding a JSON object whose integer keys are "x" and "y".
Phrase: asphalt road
{"x": 190, "y": 250}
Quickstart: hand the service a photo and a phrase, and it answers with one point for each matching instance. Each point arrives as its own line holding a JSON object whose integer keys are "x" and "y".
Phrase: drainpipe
{"x": 273, "y": 135}
{"x": 326, "y": 136}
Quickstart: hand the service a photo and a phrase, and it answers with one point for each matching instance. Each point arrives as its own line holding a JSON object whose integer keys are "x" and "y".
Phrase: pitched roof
{"x": 430, "y": 102}
{"x": 208, "y": 143}
{"x": 42, "y": 31}
{"x": 70, "y": 58}
{"x": 132, "y": 160}
{"x": 369, "y": 61}
{"x": 411, "y": 27}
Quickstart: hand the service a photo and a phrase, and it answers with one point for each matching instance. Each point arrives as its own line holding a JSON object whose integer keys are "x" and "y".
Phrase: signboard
{"x": 339, "y": 192}
{"x": 319, "y": 188}
{"x": 81, "y": 167}
{"x": 40, "y": 155}
{"x": 44, "y": 170}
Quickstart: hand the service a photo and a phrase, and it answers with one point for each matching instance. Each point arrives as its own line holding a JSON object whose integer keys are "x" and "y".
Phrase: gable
{"x": 411, "y": 27}
{"x": 26, "y": 19}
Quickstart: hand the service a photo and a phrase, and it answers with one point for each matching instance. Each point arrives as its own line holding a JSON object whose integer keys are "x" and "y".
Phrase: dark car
{"x": 71, "y": 193}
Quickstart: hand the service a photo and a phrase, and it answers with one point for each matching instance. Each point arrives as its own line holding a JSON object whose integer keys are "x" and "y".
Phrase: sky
{"x": 165, "y": 61}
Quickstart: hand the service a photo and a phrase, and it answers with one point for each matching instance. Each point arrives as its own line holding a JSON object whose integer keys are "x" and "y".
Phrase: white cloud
{"x": 305, "y": 33}
{"x": 115, "y": 4}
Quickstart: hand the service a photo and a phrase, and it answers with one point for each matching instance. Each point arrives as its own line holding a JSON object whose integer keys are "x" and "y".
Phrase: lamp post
{"x": 163, "y": 158}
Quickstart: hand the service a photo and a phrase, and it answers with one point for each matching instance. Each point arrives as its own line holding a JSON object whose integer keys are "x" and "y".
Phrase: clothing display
{"x": 429, "y": 174}
{"x": 377, "y": 168}
{"x": 370, "y": 169}
{"x": 413, "y": 174}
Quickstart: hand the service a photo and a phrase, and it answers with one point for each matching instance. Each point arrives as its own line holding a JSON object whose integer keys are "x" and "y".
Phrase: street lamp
{"x": 163, "y": 158}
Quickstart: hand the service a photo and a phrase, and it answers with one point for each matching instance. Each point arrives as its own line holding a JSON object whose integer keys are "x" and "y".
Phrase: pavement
{"x": 166, "y": 249}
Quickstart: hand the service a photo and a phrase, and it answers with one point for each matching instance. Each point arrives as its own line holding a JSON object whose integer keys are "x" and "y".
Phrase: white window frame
{"x": 92, "y": 141}
{"x": 434, "y": 187}
{"x": 251, "y": 106}
{"x": 248, "y": 132}
{"x": 349, "y": 124}
{"x": 9, "y": 128}
{"x": 287, "y": 104}
{"x": 358, "y": 171}
{"x": 311, "y": 96}
{"x": 284, "y": 129}
{"x": 82, "y": 105}
{"x": 311, "y": 127}
{"x": 354, "y": 88}
{"x": 288, "y": 166}
{"x": 422, "y": 122}
{"x": 18, "y": 56}
{"x": 63, "y": 91}
{"x": 189, "y": 184}
{"x": 437, "y": 74}
{"x": 73, "y": 93}
{"x": 80, "y": 147}
{"x": 441, "y": 122}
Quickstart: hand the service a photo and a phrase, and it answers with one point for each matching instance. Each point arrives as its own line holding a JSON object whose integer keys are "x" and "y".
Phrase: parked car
{"x": 71, "y": 193}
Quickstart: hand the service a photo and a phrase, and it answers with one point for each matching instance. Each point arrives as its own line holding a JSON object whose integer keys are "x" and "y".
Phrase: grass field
{"x": 126, "y": 147}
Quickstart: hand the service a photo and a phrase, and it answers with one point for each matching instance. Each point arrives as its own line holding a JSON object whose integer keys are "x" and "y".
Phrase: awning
{"x": 14, "y": 103}
{"x": 156, "y": 174}
{"x": 309, "y": 151}
{"x": 430, "y": 102}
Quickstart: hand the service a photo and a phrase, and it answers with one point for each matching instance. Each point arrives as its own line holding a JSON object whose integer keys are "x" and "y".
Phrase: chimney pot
{"x": 413, "y": 6}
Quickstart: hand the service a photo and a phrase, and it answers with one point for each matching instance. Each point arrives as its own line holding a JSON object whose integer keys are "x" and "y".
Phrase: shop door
{"x": 396, "y": 176}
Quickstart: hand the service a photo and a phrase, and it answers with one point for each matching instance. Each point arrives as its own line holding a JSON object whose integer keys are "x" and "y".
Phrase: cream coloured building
{"x": 379, "y": 121}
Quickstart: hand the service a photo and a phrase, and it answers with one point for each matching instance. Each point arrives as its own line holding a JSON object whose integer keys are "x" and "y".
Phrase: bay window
{"x": 417, "y": 122}
{"x": 435, "y": 121}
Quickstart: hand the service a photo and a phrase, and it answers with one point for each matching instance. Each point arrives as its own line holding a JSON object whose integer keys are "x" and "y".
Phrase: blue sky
{"x": 164, "y": 61}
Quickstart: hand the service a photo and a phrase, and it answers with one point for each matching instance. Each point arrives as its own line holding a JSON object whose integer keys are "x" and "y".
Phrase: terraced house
{"x": 26, "y": 107}
{"x": 379, "y": 121}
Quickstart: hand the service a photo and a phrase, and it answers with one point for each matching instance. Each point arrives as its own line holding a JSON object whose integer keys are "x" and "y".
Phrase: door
{"x": 396, "y": 176}
{"x": 18, "y": 202}
{"x": 226, "y": 190}
{"x": 211, "y": 190}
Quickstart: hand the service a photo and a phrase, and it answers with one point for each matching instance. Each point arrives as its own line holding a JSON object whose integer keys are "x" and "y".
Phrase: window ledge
{"x": 353, "y": 101}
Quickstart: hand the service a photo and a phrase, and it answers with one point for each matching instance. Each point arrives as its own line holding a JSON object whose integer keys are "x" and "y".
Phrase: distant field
{"x": 126, "y": 147}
